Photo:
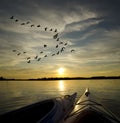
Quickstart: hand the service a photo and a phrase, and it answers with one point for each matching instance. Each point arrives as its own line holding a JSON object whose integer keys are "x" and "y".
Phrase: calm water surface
{"x": 16, "y": 94}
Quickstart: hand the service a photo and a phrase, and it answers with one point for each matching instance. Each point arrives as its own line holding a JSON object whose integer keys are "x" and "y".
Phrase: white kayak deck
{"x": 88, "y": 110}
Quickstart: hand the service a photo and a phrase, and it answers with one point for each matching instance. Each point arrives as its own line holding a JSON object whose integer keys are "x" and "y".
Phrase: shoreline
{"x": 62, "y": 78}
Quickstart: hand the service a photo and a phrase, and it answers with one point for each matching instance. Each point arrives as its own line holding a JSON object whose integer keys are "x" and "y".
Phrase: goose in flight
{"x": 14, "y": 50}
{"x": 45, "y": 56}
{"x": 66, "y": 43}
{"x": 57, "y": 46}
{"x": 57, "y": 39}
{"x": 38, "y": 25}
{"x": 12, "y": 17}
{"x": 28, "y": 61}
{"x": 27, "y": 22}
{"x": 72, "y": 50}
{"x": 50, "y": 29}
{"x": 18, "y": 54}
{"x": 28, "y": 58}
{"x": 45, "y": 45}
{"x": 57, "y": 53}
{"x": 32, "y": 25}
{"x": 16, "y": 20}
{"x": 55, "y": 36}
{"x": 61, "y": 43}
{"x": 45, "y": 28}
{"x": 55, "y": 30}
{"x": 62, "y": 49}
{"x": 22, "y": 23}
{"x": 53, "y": 54}
{"x": 38, "y": 59}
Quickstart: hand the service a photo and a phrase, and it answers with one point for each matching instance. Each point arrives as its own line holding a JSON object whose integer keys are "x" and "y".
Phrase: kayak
{"x": 88, "y": 110}
{"x": 47, "y": 111}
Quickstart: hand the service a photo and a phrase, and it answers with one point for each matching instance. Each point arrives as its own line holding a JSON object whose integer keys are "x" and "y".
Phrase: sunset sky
{"x": 89, "y": 27}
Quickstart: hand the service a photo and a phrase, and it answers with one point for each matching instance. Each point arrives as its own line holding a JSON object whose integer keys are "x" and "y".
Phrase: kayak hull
{"x": 88, "y": 110}
{"x": 47, "y": 111}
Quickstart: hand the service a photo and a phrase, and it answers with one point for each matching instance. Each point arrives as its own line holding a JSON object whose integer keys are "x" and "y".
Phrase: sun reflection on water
{"x": 61, "y": 85}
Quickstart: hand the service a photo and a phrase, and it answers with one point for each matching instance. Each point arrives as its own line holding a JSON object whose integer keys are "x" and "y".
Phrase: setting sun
{"x": 61, "y": 70}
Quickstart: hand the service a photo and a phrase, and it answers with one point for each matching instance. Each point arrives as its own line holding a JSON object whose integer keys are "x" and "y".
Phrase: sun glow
{"x": 61, "y": 70}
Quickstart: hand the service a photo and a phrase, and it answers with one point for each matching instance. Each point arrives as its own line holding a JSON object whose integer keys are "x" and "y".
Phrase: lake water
{"x": 16, "y": 94}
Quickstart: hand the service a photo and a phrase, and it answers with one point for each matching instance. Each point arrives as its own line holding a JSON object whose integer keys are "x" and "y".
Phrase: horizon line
{"x": 58, "y": 78}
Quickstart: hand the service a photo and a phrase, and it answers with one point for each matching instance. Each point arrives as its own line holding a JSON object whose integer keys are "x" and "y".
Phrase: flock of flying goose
{"x": 60, "y": 47}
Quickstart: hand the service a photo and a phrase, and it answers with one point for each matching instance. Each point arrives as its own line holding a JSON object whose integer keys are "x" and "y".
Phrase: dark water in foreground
{"x": 16, "y": 94}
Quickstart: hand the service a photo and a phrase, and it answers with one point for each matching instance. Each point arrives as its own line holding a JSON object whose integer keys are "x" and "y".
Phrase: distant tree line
{"x": 2, "y": 78}
{"x": 77, "y": 78}
{"x": 67, "y": 78}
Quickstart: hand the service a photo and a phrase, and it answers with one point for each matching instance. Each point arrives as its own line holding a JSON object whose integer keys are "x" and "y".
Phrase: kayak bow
{"x": 88, "y": 110}
{"x": 47, "y": 111}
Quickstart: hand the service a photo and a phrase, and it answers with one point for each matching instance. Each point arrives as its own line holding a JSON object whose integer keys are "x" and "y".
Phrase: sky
{"x": 89, "y": 31}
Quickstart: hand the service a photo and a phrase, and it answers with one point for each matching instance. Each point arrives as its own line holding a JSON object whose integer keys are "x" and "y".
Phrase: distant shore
{"x": 61, "y": 78}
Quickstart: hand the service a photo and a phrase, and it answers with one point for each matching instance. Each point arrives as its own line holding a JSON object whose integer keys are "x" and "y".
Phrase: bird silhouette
{"x": 45, "y": 56}
{"x": 57, "y": 39}
{"x": 57, "y": 53}
{"x": 14, "y": 50}
{"x": 22, "y": 23}
{"x": 45, "y": 28}
{"x": 53, "y": 54}
{"x": 16, "y": 20}
{"x": 28, "y": 61}
{"x": 12, "y": 17}
{"x": 18, "y": 54}
{"x": 28, "y": 58}
{"x": 72, "y": 50}
{"x": 62, "y": 49}
{"x": 55, "y": 36}
{"x": 38, "y": 59}
{"x": 50, "y": 29}
{"x": 45, "y": 45}
{"x": 65, "y": 43}
{"x": 27, "y": 22}
{"x": 61, "y": 43}
{"x": 38, "y": 25}
{"x": 55, "y": 30}
{"x": 32, "y": 25}
{"x": 57, "y": 46}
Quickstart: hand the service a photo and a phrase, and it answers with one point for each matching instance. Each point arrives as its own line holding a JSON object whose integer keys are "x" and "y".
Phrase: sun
{"x": 61, "y": 70}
